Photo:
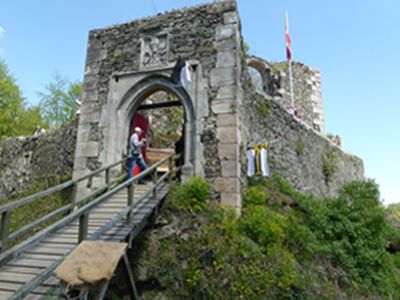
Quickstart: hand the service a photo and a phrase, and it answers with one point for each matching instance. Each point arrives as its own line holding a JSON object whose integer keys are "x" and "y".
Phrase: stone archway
{"x": 115, "y": 141}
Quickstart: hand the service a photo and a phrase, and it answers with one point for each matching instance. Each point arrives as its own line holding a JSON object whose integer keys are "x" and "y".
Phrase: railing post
{"x": 5, "y": 228}
{"x": 74, "y": 191}
{"x": 73, "y": 196}
{"x": 108, "y": 177}
{"x": 131, "y": 194}
{"x": 170, "y": 168}
{"x": 83, "y": 227}
{"x": 155, "y": 178}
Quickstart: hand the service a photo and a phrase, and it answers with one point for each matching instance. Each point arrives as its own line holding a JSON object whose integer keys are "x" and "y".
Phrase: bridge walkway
{"x": 27, "y": 273}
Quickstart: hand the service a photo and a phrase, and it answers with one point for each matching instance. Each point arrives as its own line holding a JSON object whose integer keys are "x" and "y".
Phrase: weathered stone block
{"x": 226, "y": 59}
{"x": 223, "y": 106}
{"x": 228, "y": 135}
{"x": 227, "y": 120}
{"x": 79, "y": 162}
{"x": 232, "y": 199}
{"x": 227, "y": 185}
{"x": 95, "y": 55}
{"x": 230, "y": 168}
{"x": 231, "y": 18}
{"x": 90, "y": 94}
{"x": 224, "y": 32}
{"x": 90, "y": 149}
{"x": 84, "y": 132}
{"x": 228, "y": 151}
{"x": 225, "y": 45}
{"x": 90, "y": 117}
{"x": 222, "y": 76}
{"x": 226, "y": 92}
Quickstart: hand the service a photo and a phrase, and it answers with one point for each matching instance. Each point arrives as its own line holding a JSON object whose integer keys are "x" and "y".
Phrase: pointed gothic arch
{"x": 130, "y": 102}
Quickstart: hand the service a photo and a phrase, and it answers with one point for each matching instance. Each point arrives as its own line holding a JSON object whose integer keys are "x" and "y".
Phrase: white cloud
{"x": 2, "y": 31}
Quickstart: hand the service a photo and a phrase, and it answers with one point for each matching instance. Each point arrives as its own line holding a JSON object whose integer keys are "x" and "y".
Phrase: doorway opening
{"x": 161, "y": 116}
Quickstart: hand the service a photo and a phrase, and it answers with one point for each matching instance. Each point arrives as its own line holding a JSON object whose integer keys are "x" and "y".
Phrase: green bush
{"x": 191, "y": 195}
{"x": 255, "y": 196}
{"x": 305, "y": 248}
{"x": 263, "y": 226}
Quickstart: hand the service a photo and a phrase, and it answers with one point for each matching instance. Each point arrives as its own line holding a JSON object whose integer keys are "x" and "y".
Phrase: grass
{"x": 26, "y": 214}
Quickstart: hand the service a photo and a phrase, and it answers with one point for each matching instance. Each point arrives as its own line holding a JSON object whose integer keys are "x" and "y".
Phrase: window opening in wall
{"x": 256, "y": 79}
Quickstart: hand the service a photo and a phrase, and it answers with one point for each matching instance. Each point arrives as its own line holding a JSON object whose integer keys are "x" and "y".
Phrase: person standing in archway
{"x": 135, "y": 153}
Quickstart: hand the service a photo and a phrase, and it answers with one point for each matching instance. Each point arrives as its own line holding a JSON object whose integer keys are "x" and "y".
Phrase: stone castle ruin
{"x": 223, "y": 112}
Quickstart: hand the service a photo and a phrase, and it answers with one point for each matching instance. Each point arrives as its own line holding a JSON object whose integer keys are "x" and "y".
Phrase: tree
{"x": 15, "y": 117}
{"x": 58, "y": 104}
{"x": 29, "y": 119}
{"x": 10, "y": 101}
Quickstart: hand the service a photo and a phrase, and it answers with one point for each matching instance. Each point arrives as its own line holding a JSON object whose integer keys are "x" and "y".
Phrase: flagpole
{"x": 289, "y": 58}
{"x": 291, "y": 83}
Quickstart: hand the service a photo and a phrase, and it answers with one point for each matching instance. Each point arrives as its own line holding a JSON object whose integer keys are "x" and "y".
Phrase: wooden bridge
{"x": 114, "y": 212}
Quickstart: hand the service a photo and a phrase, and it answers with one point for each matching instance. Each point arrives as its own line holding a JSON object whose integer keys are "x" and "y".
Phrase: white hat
{"x": 138, "y": 129}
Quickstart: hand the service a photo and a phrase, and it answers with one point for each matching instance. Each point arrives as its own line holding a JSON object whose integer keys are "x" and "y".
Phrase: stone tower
{"x": 128, "y": 62}
{"x": 307, "y": 93}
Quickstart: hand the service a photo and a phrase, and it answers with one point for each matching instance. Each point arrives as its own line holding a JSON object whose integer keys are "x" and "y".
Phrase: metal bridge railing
{"x": 6, "y": 210}
{"x": 82, "y": 214}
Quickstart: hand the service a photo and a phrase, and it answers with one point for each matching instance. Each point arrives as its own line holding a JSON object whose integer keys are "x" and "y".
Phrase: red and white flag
{"x": 288, "y": 50}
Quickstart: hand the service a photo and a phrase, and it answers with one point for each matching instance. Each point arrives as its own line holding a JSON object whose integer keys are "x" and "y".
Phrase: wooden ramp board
{"x": 34, "y": 260}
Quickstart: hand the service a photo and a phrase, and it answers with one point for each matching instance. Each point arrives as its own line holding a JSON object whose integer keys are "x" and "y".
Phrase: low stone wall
{"x": 305, "y": 158}
{"x": 26, "y": 160}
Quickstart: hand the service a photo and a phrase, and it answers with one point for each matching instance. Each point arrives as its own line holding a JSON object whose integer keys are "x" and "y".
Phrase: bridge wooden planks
{"x": 37, "y": 258}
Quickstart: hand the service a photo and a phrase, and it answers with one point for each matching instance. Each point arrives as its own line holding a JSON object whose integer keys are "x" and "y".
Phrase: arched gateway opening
{"x": 168, "y": 111}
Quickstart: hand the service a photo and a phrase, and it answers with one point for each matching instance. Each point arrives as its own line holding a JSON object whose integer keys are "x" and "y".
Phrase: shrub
{"x": 255, "y": 196}
{"x": 190, "y": 196}
{"x": 310, "y": 249}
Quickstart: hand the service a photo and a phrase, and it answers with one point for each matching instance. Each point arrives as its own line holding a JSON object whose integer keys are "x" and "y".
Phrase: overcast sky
{"x": 354, "y": 43}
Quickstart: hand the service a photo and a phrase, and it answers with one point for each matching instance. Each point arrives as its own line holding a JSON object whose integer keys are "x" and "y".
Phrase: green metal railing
{"x": 6, "y": 210}
{"x": 82, "y": 214}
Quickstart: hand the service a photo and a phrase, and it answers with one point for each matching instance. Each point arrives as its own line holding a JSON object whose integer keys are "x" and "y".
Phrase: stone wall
{"x": 26, "y": 160}
{"x": 306, "y": 159}
{"x": 307, "y": 92}
{"x": 127, "y": 62}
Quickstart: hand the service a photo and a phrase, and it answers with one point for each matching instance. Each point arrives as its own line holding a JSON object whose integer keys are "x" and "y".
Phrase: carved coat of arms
{"x": 154, "y": 50}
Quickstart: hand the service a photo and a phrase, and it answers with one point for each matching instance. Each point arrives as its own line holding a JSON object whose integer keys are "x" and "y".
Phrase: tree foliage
{"x": 58, "y": 103}
{"x": 15, "y": 117}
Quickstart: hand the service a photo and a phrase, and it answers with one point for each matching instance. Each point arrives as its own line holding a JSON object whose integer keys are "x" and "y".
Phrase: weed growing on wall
{"x": 330, "y": 165}
{"x": 299, "y": 148}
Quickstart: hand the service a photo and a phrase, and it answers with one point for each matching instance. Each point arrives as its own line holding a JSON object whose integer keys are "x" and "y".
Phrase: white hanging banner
{"x": 251, "y": 162}
{"x": 257, "y": 161}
